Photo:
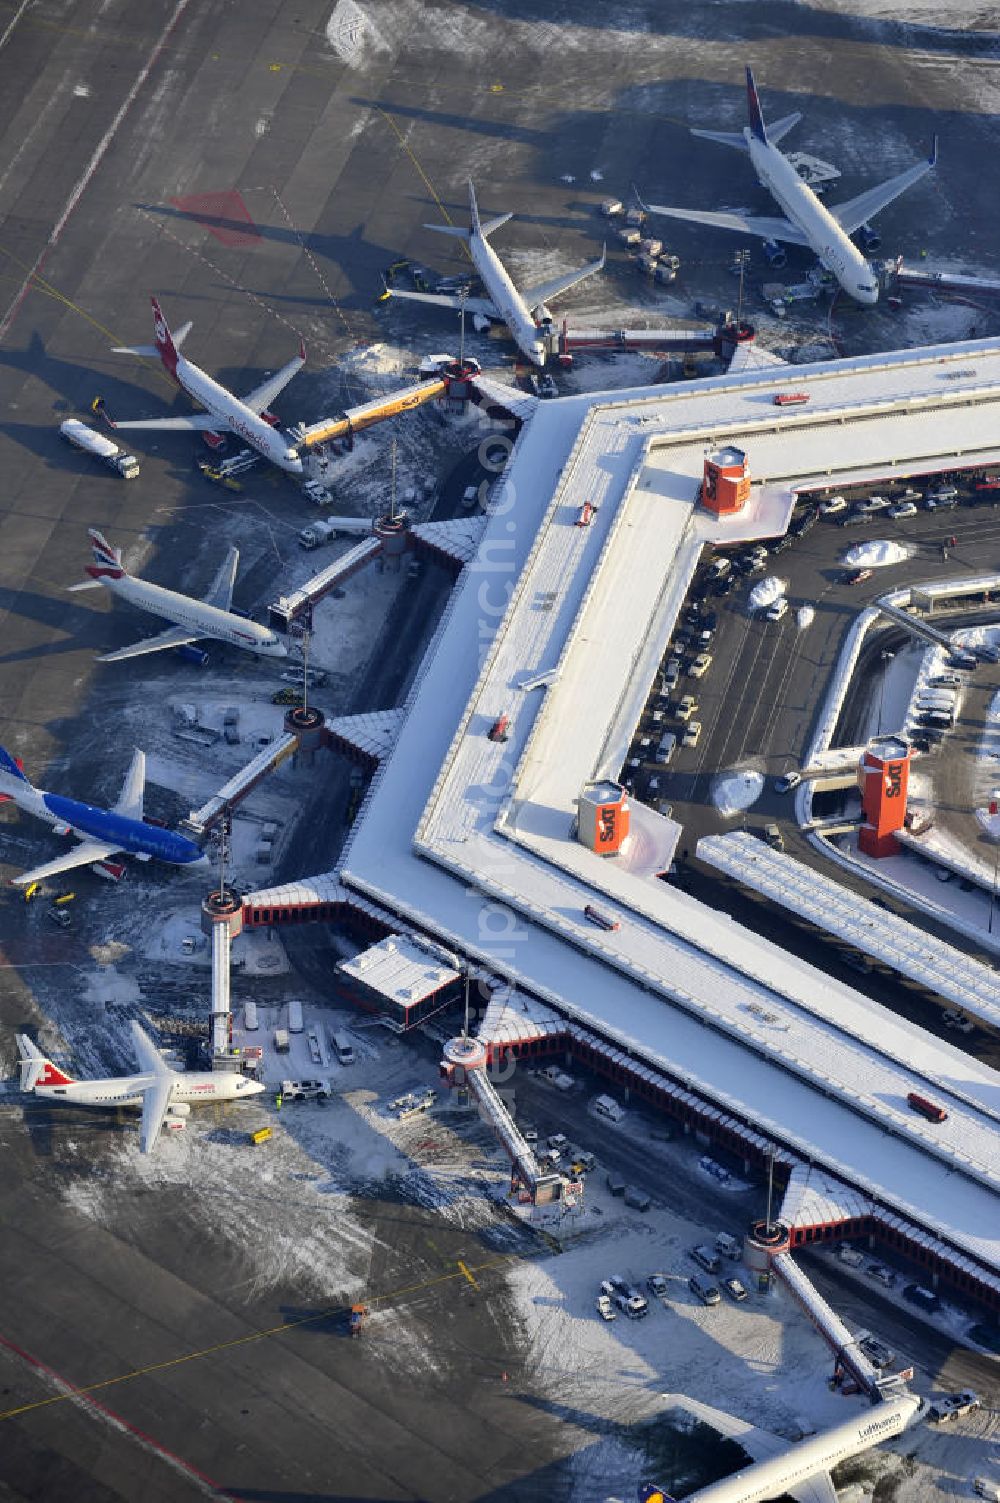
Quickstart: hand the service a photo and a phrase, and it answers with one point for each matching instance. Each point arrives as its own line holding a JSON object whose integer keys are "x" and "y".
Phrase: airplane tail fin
{"x": 104, "y": 555}
{"x": 36, "y": 1069}
{"x": 165, "y": 347}
{"x": 754, "y": 110}
{"x": 651, "y": 1492}
{"x": 9, "y": 766}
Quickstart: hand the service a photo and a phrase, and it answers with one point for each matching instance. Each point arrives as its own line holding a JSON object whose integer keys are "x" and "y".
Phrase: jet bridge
{"x": 356, "y": 419}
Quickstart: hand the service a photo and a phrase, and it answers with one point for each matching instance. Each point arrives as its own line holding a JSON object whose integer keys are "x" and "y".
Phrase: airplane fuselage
{"x": 825, "y": 236}
{"x": 89, "y": 822}
{"x": 126, "y": 1090}
{"x": 236, "y": 416}
{"x": 507, "y": 300}
{"x": 195, "y": 615}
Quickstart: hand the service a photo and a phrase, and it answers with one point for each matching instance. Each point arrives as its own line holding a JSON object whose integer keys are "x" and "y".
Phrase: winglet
{"x": 754, "y": 110}
{"x": 932, "y": 159}
{"x": 302, "y": 350}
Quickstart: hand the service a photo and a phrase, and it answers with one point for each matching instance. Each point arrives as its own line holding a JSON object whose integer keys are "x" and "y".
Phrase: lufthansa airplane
{"x": 103, "y": 833}
{"x": 525, "y": 314}
{"x": 806, "y": 221}
{"x": 224, "y": 411}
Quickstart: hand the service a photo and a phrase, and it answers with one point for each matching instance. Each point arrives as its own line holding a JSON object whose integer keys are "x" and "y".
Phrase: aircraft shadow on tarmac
{"x": 79, "y": 626}
{"x": 687, "y": 24}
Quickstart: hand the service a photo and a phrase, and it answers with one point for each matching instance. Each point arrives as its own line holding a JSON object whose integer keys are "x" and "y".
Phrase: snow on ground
{"x": 736, "y": 790}
{"x": 875, "y": 554}
{"x": 805, "y": 616}
{"x": 766, "y": 592}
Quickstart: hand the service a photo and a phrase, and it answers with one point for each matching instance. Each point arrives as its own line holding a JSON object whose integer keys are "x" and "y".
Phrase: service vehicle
{"x": 772, "y": 835}
{"x": 928, "y": 1109}
{"x": 728, "y": 1245}
{"x": 657, "y": 1284}
{"x": 82, "y": 437}
{"x": 953, "y": 1405}
{"x": 281, "y": 1041}
{"x": 304, "y": 1090}
{"x": 342, "y": 1047}
{"x": 582, "y": 1162}
{"x": 287, "y": 696}
{"x": 605, "y": 1308}
{"x": 735, "y": 1290}
{"x": 316, "y": 534}
{"x": 312, "y": 675}
{"x": 59, "y": 916}
{"x": 706, "y": 1257}
{"x": 633, "y": 1305}
{"x": 547, "y": 386}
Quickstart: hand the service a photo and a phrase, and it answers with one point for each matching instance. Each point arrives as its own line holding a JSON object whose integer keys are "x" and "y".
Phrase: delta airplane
{"x": 803, "y": 1470}
{"x": 195, "y": 620}
{"x": 826, "y": 231}
{"x": 223, "y": 410}
{"x": 165, "y": 1095}
{"x": 103, "y": 833}
{"x": 525, "y": 314}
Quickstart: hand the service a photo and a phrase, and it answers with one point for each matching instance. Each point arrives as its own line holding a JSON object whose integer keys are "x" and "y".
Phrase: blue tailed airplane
{"x": 102, "y": 833}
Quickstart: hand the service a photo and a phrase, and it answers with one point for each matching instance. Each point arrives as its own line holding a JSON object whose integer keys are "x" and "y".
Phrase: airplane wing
{"x": 220, "y": 593}
{"x": 174, "y": 636}
{"x": 130, "y": 799}
{"x": 543, "y": 291}
{"x": 857, "y": 211}
{"x": 445, "y": 300}
{"x": 83, "y": 854}
{"x": 155, "y": 1096}
{"x": 764, "y": 226}
{"x": 263, "y": 395}
{"x": 197, "y": 422}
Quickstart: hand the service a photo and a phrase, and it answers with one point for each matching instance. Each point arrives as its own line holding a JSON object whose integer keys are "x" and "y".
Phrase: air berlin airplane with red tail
{"x": 223, "y": 410}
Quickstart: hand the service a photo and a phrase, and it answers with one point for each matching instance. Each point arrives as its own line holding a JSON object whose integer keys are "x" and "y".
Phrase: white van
{"x": 343, "y": 1048}
{"x": 295, "y": 1024}
{"x": 607, "y": 1107}
{"x": 250, "y": 1022}
{"x": 730, "y": 1247}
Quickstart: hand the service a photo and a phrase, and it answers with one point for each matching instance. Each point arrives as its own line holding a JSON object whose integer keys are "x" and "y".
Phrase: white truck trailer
{"x": 82, "y": 437}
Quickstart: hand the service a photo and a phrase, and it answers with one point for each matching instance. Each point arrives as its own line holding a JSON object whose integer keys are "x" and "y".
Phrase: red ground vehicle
{"x": 787, "y": 398}
{"x": 928, "y": 1109}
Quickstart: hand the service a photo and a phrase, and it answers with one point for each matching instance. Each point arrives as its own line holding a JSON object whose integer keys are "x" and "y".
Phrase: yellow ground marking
{"x": 389, "y": 1297}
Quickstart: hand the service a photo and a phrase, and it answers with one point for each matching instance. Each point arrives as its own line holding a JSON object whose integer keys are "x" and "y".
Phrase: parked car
{"x": 832, "y": 506}
{"x": 719, "y": 567}
{"x": 692, "y": 733}
{"x": 926, "y": 1299}
{"x": 735, "y": 1290}
{"x": 605, "y": 1308}
{"x": 903, "y": 509}
{"x": 700, "y": 665}
{"x": 706, "y": 1292}
{"x": 686, "y": 708}
{"x": 724, "y": 586}
{"x": 671, "y": 675}
{"x": 855, "y": 518}
{"x": 656, "y": 1284}
{"x": 787, "y": 782}
{"x": 773, "y": 837}
{"x": 882, "y": 1274}
{"x": 874, "y": 503}
{"x": 777, "y": 609}
{"x": 858, "y": 576}
{"x": 878, "y": 1354}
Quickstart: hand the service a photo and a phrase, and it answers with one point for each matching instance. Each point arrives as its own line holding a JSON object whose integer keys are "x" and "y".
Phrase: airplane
{"x": 525, "y": 314}
{"x": 801, "y": 1470}
{"x": 165, "y": 1095}
{"x": 103, "y": 833}
{"x": 195, "y": 620}
{"x": 826, "y": 231}
{"x": 223, "y": 410}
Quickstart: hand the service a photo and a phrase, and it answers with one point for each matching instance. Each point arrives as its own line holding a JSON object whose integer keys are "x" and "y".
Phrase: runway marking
{"x": 331, "y": 1312}
{"x": 211, "y": 1489}
{"x": 465, "y": 1272}
{"x": 92, "y": 166}
{"x": 420, "y": 171}
{"x": 13, "y": 22}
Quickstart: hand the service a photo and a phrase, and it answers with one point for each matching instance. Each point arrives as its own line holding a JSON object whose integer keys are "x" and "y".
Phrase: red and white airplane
{"x": 165, "y": 1095}
{"x": 224, "y": 411}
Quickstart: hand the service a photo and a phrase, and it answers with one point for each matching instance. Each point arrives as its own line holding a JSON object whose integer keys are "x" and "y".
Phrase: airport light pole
{"x": 461, "y": 327}
{"x": 886, "y": 656}
{"x": 742, "y": 261}
{"x": 994, "y": 797}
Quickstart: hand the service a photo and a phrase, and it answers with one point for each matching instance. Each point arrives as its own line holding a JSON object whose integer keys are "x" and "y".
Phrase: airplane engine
{"x": 179, "y": 1109}
{"x": 480, "y": 323}
{"x": 774, "y": 253}
{"x": 543, "y": 318}
{"x": 868, "y": 238}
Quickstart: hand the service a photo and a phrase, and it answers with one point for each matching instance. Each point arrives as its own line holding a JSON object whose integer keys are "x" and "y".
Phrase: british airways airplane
{"x": 194, "y": 620}
{"x": 165, "y": 1095}
{"x": 807, "y": 221}
{"x": 103, "y": 833}
{"x": 525, "y": 314}
{"x": 223, "y": 410}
